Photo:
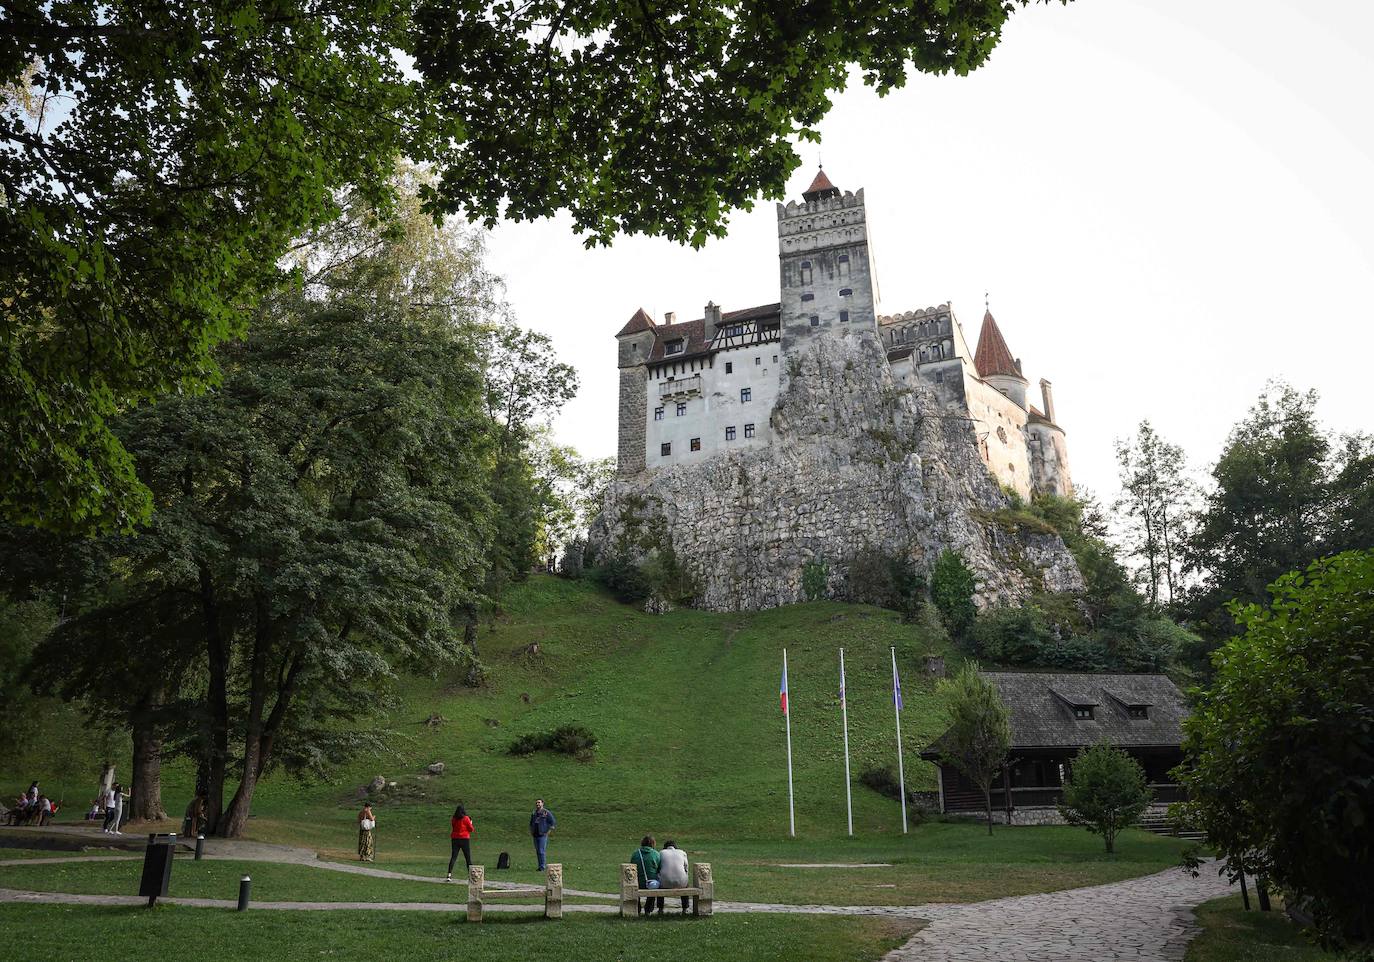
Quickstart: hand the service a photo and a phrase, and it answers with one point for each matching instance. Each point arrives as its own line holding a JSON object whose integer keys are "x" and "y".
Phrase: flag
{"x": 896, "y": 690}
{"x": 782, "y": 693}
{"x": 842, "y": 704}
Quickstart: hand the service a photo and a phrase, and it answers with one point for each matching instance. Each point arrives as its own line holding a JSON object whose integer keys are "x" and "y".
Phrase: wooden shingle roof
{"x": 993, "y": 356}
{"x": 1041, "y": 707}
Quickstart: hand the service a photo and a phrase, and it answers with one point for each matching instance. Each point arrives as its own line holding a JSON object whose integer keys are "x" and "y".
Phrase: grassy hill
{"x": 691, "y": 743}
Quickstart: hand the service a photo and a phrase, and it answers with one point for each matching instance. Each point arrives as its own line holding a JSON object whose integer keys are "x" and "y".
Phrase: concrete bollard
{"x": 245, "y": 886}
{"x": 200, "y": 847}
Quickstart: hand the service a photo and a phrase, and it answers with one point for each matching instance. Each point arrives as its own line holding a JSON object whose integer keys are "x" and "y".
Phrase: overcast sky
{"x": 1169, "y": 201}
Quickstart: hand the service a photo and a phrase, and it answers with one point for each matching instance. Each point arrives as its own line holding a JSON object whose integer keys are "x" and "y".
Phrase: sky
{"x": 1166, "y": 203}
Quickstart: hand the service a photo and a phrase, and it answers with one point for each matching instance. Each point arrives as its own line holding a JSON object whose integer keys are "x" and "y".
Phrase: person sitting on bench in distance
{"x": 646, "y": 860}
{"x": 672, "y": 871}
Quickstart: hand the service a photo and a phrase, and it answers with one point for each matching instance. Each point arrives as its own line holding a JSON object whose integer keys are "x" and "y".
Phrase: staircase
{"x": 1159, "y": 823}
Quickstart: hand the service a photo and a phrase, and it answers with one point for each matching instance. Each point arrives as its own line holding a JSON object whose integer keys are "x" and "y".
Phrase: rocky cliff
{"x": 859, "y": 461}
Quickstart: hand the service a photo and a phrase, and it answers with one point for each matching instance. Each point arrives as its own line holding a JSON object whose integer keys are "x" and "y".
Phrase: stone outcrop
{"x": 859, "y": 461}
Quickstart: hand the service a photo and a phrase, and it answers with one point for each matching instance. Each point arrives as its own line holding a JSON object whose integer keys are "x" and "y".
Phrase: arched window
{"x": 808, "y": 297}
{"x": 805, "y": 271}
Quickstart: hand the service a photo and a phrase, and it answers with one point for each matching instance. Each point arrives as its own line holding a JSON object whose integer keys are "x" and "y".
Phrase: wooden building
{"x": 1054, "y": 715}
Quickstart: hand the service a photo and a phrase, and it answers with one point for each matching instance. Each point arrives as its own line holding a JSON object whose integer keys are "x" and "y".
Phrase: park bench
{"x": 702, "y": 891}
{"x": 552, "y": 893}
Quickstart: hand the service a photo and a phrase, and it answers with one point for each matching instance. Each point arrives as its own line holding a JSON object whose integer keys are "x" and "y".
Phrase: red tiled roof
{"x": 698, "y": 338}
{"x": 993, "y": 356}
{"x": 640, "y": 322}
{"x": 820, "y": 186}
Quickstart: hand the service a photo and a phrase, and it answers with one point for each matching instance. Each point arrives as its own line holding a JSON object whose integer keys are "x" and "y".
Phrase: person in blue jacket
{"x": 542, "y": 823}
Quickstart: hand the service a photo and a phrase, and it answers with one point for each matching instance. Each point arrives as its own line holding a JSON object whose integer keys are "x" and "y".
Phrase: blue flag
{"x": 896, "y": 691}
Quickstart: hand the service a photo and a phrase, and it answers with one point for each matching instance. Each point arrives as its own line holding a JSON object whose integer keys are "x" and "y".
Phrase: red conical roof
{"x": 820, "y": 187}
{"x": 640, "y": 322}
{"x": 993, "y": 356}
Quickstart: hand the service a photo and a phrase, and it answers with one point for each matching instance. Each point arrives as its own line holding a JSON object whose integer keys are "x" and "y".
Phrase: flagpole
{"x": 787, "y": 716}
{"x": 844, "y": 715}
{"x": 897, "y": 708}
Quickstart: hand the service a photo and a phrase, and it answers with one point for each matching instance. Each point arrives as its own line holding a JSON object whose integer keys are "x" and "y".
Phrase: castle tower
{"x": 633, "y": 345}
{"x": 825, "y": 265}
{"x": 995, "y": 363}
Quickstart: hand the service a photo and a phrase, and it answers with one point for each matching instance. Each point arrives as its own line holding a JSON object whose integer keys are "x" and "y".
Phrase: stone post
{"x": 629, "y": 890}
{"x": 476, "y": 877}
{"x": 701, "y": 878}
{"x": 553, "y": 891}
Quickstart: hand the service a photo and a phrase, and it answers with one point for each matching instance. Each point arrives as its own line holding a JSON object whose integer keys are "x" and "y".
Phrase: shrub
{"x": 574, "y": 555}
{"x": 666, "y": 578}
{"x": 952, "y": 585}
{"x": 622, "y": 578}
{"x": 571, "y": 740}
{"x": 1105, "y": 792}
{"x": 886, "y": 580}
{"x": 979, "y": 734}
{"x": 1011, "y": 636}
{"x": 815, "y": 579}
{"x": 1278, "y": 748}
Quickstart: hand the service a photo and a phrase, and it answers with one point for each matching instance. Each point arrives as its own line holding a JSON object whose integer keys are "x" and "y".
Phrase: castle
{"x": 692, "y": 390}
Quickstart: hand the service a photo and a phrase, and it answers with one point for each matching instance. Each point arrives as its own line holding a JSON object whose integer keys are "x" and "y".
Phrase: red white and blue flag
{"x": 782, "y": 693}
{"x": 896, "y": 689}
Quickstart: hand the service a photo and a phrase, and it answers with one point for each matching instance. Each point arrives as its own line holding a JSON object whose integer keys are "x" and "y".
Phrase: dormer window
{"x": 1083, "y": 712}
{"x": 1138, "y": 711}
{"x": 673, "y": 347}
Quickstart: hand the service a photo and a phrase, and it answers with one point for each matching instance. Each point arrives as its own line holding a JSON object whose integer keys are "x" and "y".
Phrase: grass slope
{"x": 691, "y": 745}
{"x": 1231, "y": 934}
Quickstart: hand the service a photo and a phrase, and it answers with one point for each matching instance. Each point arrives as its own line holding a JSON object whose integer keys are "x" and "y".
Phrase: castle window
{"x": 696, "y": 444}
{"x": 1002, "y": 434}
{"x": 939, "y": 377}
{"x": 805, "y": 272}
{"x": 748, "y": 430}
{"x": 937, "y": 351}
{"x": 758, "y": 361}
{"x": 665, "y": 449}
{"x": 734, "y": 330}
{"x": 808, "y": 297}
{"x": 681, "y": 408}
{"x": 729, "y": 367}
{"x": 923, "y": 354}
{"x": 745, "y": 396}
{"x": 815, "y": 320}
{"x": 730, "y": 433}
{"x": 658, "y": 414}
{"x": 673, "y": 347}
{"x": 775, "y": 359}
{"x": 846, "y": 291}
{"x": 844, "y": 317}
{"x": 842, "y": 259}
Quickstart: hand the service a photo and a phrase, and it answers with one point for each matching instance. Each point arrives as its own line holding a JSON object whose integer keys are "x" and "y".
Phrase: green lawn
{"x": 175, "y": 933}
{"x": 1231, "y": 934}
{"x": 691, "y": 745}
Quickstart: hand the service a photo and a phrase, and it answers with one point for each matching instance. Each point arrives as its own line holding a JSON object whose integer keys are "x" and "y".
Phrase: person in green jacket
{"x": 647, "y": 860}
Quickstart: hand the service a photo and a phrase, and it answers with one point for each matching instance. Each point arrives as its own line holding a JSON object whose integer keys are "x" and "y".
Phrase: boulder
{"x": 376, "y": 785}
{"x": 435, "y": 769}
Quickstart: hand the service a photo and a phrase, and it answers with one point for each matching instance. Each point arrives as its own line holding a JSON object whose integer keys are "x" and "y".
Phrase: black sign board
{"x": 157, "y": 867}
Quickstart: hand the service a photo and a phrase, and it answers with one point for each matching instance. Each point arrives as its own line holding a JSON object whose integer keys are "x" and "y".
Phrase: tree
{"x": 1284, "y": 493}
{"x": 979, "y": 734}
{"x": 160, "y": 157}
{"x": 1105, "y": 792}
{"x": 952, "y": 585}
{"x": 1279, "y": 748}
{"x": 1155, "y": 498}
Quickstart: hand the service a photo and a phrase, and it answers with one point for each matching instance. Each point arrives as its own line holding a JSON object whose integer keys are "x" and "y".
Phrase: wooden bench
{"x": 552, "y": 893}
{"x": 702, "y": 891}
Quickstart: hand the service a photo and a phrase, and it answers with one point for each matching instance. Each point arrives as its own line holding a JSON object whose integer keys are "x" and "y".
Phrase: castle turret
{"x": 995, "y": 363}
{"x": 825, "y": 264}
{"x": 633, "y": 345}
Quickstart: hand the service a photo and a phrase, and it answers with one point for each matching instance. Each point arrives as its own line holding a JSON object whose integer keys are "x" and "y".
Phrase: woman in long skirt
{"x": 367, "y": 823}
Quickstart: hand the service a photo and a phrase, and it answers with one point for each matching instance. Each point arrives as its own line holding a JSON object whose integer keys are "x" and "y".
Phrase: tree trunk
{"x": 107, "y": 777}
{"x": 217, "y": 699}
{"x": 1262, "y": 893}
{"x": 987, "y": 800}
{"x": 146, "y": 791}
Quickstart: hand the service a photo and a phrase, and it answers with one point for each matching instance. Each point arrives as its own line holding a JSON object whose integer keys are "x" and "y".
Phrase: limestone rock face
{"x": 858, "y": 461}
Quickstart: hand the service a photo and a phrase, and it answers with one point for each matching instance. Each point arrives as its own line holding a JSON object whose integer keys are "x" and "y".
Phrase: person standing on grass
{"x": 460, "y": 835}
{"x": 367, "y": 823}
{"x": 647, "y": 862}
{"x": 542, "y": 823}
{"x": 111, "y": 826}
{"x": 672, "y": 871}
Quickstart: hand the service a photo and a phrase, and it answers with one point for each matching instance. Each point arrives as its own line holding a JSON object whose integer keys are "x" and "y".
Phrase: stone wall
{"x": 859, "y": 461}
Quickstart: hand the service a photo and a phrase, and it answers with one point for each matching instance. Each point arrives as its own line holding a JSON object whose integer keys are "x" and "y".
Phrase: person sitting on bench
{"x": 646, "y": 860}
{"x": 672, "y": 871}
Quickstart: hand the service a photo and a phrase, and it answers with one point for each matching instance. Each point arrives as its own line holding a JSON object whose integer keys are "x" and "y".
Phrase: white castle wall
{"x": 716, "y": 407}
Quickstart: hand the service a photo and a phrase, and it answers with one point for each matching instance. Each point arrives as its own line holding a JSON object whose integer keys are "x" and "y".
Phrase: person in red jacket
{"x": 460, "y": 839}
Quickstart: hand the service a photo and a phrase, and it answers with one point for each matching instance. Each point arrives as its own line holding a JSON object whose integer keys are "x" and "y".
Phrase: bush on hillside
{"x": 890, "y": 581}
{"x": 623, "y": 579}
{"x": 815, "y": 580}
{"x": 1011, "y": 636}
{"x": 570, "y": 565}
{"x": 667, "y": 579}
{"x": 571, "y": 740}
{"x": 883, "y": 780}
{"x": 952, "y": 585}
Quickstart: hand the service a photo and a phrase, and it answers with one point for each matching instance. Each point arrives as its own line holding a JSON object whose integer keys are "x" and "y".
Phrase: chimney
{"x": 712, "y": 316}
{"x": 1047, "y": 397}
{"x": 670, "y": 317}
